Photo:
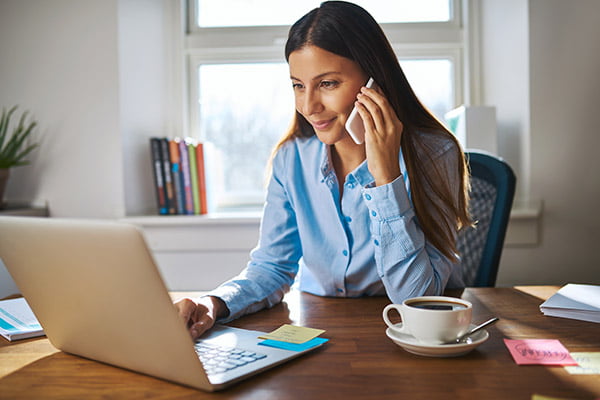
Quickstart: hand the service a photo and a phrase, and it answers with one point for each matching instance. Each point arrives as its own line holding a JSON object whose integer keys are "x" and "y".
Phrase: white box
{"x": 475, "y": 127}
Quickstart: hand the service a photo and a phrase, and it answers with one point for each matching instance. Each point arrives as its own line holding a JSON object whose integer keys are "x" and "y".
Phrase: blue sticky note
{"x": 294, "y": 346}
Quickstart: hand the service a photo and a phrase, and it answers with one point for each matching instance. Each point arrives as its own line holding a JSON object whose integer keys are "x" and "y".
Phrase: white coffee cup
{"x": 431, "y": 319}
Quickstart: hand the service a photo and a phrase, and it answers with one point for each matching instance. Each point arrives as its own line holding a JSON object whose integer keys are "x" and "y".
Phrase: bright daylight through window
{"x": 241, "y": 98}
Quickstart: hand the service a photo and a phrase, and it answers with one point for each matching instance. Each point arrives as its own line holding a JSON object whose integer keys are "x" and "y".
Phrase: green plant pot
{"x": 4, "y": 174}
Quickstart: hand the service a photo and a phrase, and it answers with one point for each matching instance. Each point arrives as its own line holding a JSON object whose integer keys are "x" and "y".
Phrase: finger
{"x": 390, "y": 123}
{"x": 378, "y": 98}
{"x": 375, "y": 93}
{"x": 203, "y": 323}
{"x": 366, "y": 117}
{"x": 186, "y": 308}
{"x": 375, "y": 115}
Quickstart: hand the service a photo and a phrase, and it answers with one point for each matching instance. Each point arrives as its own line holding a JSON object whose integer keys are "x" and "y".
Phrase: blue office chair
{"x": 492, "y": 192}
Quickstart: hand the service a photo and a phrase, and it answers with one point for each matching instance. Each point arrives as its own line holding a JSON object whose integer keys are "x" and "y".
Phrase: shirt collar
{"x": 326, "y": 165}
{"x": 360, "y": 174}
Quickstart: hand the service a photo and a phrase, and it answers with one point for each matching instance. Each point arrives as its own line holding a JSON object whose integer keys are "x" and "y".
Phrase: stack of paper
{"x": 574, "y": 301}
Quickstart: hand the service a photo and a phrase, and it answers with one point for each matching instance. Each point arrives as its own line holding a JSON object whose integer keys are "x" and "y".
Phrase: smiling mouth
{"x": 323, "y": 124}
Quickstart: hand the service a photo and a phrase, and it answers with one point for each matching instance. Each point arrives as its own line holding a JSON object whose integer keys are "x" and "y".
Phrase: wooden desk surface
{"x": 359, "y": 362}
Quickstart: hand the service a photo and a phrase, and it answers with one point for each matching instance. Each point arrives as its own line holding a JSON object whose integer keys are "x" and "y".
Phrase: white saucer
{"x": 412, "y": 345}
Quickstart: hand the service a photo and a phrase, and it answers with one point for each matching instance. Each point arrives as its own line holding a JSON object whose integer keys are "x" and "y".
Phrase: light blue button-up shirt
{"x": 364, "y": 242}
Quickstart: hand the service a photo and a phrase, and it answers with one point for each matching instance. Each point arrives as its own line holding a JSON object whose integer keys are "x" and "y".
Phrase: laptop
{"x": 95, "y": 289}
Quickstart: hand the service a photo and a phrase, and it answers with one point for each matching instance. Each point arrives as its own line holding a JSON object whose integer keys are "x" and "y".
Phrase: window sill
{"x": 227, "y": 231}
{"x": 523, "y": 228}
{"x": 218, "y": 218}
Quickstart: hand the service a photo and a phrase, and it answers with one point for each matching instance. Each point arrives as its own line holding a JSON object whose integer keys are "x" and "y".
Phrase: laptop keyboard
{"x": 217, "y": 359}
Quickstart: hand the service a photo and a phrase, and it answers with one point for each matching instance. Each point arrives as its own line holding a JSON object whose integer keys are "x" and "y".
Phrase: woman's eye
{"x": 329, "y": 84}
{"x": 297, "y": 86}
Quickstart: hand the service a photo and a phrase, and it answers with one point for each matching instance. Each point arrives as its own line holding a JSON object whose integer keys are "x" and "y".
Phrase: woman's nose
{"x": 312, "y": 104}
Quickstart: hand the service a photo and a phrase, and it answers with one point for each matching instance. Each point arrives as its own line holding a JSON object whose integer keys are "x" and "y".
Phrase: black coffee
{"x": 438, "y": 305}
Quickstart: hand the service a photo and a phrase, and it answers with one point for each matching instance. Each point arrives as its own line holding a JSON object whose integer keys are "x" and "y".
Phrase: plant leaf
{"x": 5, "y": 122}
{"x": 13, "y": 148}
{"x": 22, "y": 154}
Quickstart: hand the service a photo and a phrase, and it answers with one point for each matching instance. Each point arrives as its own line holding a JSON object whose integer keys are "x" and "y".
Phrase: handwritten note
{"x": 542, "y": 397}
{"x": 293, "y": 334}
{"x": 589, "y": 364}
{"x": 539, "y": 351}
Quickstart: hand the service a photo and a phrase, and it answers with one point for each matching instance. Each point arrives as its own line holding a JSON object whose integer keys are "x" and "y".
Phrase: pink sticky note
{"x": 539, "y": 351}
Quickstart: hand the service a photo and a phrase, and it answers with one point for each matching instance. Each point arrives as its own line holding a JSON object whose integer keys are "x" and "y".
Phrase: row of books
{"x": 179, "y": 176}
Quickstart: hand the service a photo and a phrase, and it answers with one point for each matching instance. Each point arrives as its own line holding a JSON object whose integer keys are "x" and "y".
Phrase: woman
{"x": 343, "y": 219}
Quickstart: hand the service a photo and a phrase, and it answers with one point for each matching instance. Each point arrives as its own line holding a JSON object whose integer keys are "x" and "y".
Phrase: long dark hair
{"x": 349, "y": 31}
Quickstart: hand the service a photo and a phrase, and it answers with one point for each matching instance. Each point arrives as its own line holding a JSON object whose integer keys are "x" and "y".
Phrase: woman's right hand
{"x": 200, "y": 315}
{"x": 383, "y": 134}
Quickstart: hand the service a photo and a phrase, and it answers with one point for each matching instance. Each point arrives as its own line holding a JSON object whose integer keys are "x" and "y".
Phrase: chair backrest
{"x": 492, "y": 192}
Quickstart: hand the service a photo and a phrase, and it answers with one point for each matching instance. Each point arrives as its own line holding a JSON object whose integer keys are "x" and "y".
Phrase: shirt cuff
{"x": 228, "y": 295}
{"x": 388, "y": 201}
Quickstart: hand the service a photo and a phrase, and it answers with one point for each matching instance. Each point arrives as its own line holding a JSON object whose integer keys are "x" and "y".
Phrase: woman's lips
{"x": 322, "y": 124}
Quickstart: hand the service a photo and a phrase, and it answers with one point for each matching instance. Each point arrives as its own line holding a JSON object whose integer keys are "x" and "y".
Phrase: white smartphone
{"x": 354, "y": 124}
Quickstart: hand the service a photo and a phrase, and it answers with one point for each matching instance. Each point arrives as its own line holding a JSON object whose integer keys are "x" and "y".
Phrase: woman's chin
{"x": 331, "y": 137}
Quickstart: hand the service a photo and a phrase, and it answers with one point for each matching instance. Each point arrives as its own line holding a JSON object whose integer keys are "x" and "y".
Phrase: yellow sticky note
{"x": 293, "y": 334}
{"x": 589, "y": 363}
{"x": 540, "y": 397}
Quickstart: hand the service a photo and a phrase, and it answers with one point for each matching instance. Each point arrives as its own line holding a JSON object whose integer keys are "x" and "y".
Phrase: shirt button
{"x": 376, "y": 242}
{"x": 348, "y": 219}
{"x": 368, "y": 196}
{"x": 373, "y": 213}
{"x": 339, "y": 290}
{"x": 345, "y": 252}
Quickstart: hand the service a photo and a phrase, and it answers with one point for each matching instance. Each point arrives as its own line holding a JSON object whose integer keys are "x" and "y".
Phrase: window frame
{"x": 256, "y": 44}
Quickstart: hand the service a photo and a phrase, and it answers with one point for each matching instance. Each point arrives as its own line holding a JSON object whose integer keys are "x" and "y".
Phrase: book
{"x": 159, "y": 183}
{"x": 575, "y": 301}
{"x": 17, "y": 321}
{"x": 200, "y": 165}
{"x": 187, "y": 181}
{"x": 176, "y": 176}
{"x": 194, "y": 176}
{"x": 168, "y": 176}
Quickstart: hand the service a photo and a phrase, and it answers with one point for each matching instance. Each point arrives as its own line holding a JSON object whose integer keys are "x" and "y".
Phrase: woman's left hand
{"x": 383, "y": 131}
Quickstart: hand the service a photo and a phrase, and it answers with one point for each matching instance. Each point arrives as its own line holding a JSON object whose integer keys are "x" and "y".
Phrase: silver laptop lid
{"x": 63, "y": 267}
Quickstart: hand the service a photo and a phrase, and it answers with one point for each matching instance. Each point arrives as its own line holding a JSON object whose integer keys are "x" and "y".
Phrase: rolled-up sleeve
{"x": 273, "y": 263}
{"x": 406, "y": 262}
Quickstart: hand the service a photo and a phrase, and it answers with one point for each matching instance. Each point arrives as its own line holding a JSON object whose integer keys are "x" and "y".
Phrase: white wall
{"x": 60, "y": 61}
{"x": 144, "y": 95}
{"x": 93, "y": 74}
{"x": 504, "y": 43}
{"x": 558, "y": 83}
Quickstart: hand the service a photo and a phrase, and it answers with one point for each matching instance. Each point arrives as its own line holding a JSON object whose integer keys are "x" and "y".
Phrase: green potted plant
{"x": 14, "y": 145}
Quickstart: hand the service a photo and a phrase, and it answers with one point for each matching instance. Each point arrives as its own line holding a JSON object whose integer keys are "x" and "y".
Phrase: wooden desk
{"x": 359, "y": 362}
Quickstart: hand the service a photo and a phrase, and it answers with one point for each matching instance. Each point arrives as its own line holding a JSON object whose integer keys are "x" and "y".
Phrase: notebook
{"x": 96, "y": 291}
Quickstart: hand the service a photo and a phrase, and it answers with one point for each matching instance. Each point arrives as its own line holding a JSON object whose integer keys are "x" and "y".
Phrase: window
{"x": 239, "y": 94}
{"x": 231, "y": 13}
{"x": 243, "y": 110}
